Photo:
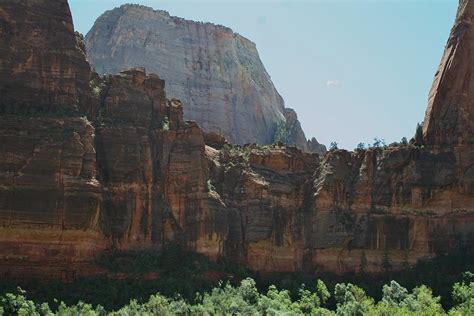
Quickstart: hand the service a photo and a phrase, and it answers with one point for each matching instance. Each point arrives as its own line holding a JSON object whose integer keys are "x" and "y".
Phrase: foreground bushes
{"x": 245, "y": 299}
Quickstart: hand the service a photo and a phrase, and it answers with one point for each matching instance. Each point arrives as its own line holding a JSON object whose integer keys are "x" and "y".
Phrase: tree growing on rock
{"x": 333, "y": 146}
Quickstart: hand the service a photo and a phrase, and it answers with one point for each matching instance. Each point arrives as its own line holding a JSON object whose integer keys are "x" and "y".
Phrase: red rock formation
{"x": 449, "y": 118}
{"x": 41, "y": 64}
{"x": 290, "y": 211}
{"x": 137, "y": 176}
{"x": 50, "y": 199}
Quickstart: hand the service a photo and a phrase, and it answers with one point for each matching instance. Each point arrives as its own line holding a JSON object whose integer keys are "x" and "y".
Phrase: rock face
{"x": 42, "y": 67}
{"x": 134, "y": 175}
{"x": 216, "y": 73}
{"x": 449, "y": 118}
{"x": 151, "y": 163}
{"x": 50, "y": 199}
{"x": 315, "y": 147}
{"x": 291, "y": 211}
{"x": 49, "y": 195}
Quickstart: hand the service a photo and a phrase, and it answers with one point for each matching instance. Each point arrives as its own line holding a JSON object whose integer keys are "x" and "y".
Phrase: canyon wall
{"x": 42, "y": 66}
{"x": 49, "y": 195}
{"x": 216, "y": 73}
{"x": 122, "y": 170}
{"x": 449, "y": 119}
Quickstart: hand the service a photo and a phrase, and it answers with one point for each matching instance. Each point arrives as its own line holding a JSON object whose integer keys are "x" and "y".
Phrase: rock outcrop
{"x": 216, "y": 73}
{"x": 291, "y": 211}
{"x": 42, "y": 67}
{"x": 123, "y": 170}
{"x": 449, "y": 118}
{"x": 151, "y": 163}
{"x": 315, "y": 147}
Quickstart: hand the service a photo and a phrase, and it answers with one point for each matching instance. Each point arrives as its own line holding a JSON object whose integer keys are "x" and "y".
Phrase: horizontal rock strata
{"x": 123, "y": 170}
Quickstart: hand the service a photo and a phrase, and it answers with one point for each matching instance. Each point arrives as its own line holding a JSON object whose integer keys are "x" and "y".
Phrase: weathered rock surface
{"x": 50, "y": 199}
{"x": 216, "y": 73}
{"x": 291, "y": 211}
{"x": 315, "y": 147}
{"x": 449, "y": 119}
{"x": 42, "y": 67}
{"x": 135, "y": 175}
{"x": 151, "y": 163}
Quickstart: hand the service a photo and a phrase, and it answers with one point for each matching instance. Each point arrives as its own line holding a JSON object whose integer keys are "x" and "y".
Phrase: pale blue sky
{"x": 352, "y": 70}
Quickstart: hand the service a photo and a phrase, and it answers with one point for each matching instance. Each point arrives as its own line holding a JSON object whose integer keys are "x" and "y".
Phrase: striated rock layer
{"x": 41, "y": 64}
{"x": 216, "y": 73}
{"x": 125, "y": 171}
{"x": 449, "y": 118}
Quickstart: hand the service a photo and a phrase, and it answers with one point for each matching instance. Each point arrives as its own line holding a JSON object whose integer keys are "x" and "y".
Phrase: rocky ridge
{"x": 123, "y": 170}
{"x": 216, "y": 73}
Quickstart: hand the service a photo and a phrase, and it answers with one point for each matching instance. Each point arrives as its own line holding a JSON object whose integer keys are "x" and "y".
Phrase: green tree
{"x": 419, "y": 141}
{"x": 17, "y": 304}
{"x": 310, "y": 303}
{"x": 394, "y": 294}
{"x": 404, "y": 141}
{"x": 351, "y": 300}
{"x": 426, "y": 303}
{"x": 463, "y": 296}
{"x": 379, "y": 143}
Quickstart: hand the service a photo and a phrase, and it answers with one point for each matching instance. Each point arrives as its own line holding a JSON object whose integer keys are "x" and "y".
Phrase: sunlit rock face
{"x": 292, "y": 211}
{"x": 216, "y": 73}
{"x": 151, "y": 163}
{"x": 449, "y": 120}
{"x": 123, "y": 170}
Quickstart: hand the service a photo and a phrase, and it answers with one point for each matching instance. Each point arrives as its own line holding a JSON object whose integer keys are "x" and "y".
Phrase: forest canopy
{"x": 245, "y": 299}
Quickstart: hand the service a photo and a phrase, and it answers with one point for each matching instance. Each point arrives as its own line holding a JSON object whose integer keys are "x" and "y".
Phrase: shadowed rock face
{"x": 136, "y": 176}
{"x": 216, "y": 73}
{"x": 41, "y": 65}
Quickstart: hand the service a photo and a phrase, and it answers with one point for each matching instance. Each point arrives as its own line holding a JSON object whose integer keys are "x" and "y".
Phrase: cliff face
{"x": 134, "y": 175}
{"x": 216, "y": 73}
{"x": 151, "y": 163}
{"x": 49, "y": 195}
{"x": 449, "y": 118}
{"x": 41, "y": 64}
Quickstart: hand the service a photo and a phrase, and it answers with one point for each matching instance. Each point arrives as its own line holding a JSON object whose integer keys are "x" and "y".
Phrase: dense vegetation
{"x": 245, "y": 299}
{"x": 136, "y": 278}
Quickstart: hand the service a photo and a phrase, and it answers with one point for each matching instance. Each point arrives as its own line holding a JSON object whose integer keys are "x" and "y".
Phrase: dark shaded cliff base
{"x": 137, "y": 275}
{"x": 110, "y": 164}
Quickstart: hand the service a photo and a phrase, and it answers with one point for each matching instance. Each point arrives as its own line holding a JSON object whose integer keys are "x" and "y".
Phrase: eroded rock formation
{"x": 125, "y": 171}
{"x": 449, "y": 119}
{"x": 216, "y": 73}
{"x": 41, "y": 64}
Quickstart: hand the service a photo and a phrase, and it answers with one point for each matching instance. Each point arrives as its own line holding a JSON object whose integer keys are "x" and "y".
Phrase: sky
{"x": 352, "y": 69}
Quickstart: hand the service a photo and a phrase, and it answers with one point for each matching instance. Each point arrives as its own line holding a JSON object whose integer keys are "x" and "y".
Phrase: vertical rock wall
{"x": 42, "y": 67}
{"x": 216, "y": 73}
{"x": 135, "y": 176}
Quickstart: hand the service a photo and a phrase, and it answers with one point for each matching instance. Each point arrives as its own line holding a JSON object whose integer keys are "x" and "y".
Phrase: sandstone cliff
{"x": 449, "y": 118}
{"x": 216, "y": 73}
{"x": 123, "y": 170}
{"x": 42, "y": 67}
{"x": 50, "y": 199}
